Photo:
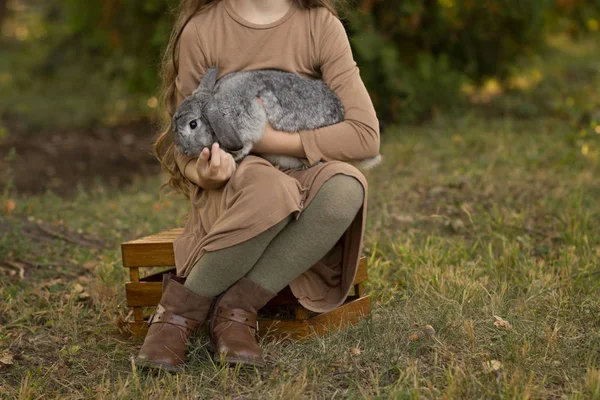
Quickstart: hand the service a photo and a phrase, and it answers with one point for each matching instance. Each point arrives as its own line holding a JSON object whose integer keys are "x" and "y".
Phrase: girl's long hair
{"x": 164, "y": 149}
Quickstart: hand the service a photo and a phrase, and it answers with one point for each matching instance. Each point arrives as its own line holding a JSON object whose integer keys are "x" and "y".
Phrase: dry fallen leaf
{"x": 492, "y": 366}
{"x": 429, "y": 331}
{"x": 502, "y": 323}
{"x": 78, "y": 288}
{"x": 84, "y": 296}
{"x": 161, "y": 206}
{"x": 81, "y": 293}
{"x": 9, "y": 206}
{"x": 90, "y": 265}
{"x": 457, "y": 225}
{"x": 414, "y": 337}
{"x": 404, "y": 218}
{"x": 436, "y": 190}
{"x": 6, "y": 359}
{"x": 354, "y": 351}
{"x": 52, "y": 282}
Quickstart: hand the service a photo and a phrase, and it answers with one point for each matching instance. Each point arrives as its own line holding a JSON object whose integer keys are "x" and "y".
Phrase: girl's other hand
{"x": 277, "y": 142}
{"x": 215, "y": 173}
{"x": 269, "y": 141}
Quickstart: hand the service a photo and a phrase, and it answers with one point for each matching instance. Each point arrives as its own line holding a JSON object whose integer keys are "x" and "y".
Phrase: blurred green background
{"x": 85, "y": 74}
{"x": 82, "y": 62}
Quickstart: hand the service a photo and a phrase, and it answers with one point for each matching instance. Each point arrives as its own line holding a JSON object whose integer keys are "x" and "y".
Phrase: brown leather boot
{"x": 233, "y": 323}
{"x": 179, "y": 312}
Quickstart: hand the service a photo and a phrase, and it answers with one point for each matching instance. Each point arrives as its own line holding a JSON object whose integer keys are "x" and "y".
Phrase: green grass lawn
{"x": 470, "y": 220}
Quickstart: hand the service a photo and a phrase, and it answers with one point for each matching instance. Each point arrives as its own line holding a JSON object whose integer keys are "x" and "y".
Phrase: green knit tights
{"x": 277, "y": 256}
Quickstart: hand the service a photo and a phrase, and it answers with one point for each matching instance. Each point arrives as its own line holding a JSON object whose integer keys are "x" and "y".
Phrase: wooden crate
{"x": 157, "y": 251}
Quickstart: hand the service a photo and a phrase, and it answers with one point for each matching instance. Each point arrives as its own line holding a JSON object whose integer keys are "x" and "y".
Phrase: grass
{"x": 468, "y": 219}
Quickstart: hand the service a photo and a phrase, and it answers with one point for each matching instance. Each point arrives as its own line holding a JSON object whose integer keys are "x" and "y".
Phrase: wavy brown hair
{"x": 164, "y": 148}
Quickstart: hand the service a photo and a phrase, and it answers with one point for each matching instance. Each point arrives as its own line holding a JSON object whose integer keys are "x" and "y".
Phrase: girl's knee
{"x": 345, "y": 187}
{"x": 343, "y": 197}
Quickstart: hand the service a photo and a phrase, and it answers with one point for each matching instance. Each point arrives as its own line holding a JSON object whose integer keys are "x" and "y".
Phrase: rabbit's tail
{"x": 368, "y": 163}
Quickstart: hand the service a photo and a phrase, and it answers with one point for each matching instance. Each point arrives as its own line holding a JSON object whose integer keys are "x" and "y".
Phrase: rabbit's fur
{"x": 227, "y": 111}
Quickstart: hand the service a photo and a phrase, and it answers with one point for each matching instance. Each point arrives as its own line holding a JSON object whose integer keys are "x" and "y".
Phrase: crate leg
{"x": 359, "y": 290}
{"x": 137, "y": 325}
{"x": 134, "y": 276}
{"x": 138, "y": 313}
{"x": 300, "y": 312}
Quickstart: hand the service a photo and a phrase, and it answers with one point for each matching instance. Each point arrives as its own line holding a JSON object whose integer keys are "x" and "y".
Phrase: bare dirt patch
{"x": 62, "y": 160}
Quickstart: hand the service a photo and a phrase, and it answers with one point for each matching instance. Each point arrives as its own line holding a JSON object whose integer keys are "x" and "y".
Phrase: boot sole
{"x": 146, "y": 364}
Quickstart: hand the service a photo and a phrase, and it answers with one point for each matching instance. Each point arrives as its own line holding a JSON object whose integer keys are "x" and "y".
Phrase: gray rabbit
{"x": 226, "y": 111}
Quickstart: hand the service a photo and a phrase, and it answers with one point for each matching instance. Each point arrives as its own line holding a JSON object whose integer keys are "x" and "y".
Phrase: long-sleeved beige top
{"x": 309, "y": 42}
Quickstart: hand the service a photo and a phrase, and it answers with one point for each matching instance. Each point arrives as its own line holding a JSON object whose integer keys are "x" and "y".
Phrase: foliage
{"x": 578, "y": 16}
{"x": 128, "y": 35}
{"x": 96, "y": 61}
{"x": 556, "y": 83}
{"x": 422, "y": 51}
{"x": 416, "y": 56}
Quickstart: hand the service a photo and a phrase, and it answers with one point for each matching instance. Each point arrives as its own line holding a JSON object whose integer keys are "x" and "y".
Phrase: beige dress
{"x": 313, "y": 43}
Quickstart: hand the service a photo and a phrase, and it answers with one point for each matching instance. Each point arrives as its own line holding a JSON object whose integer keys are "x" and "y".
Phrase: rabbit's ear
{"x": 207, "y": 84}
{"x": 226, "y": 136}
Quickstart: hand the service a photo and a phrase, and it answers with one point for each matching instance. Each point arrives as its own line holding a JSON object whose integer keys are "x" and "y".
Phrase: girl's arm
{"x": 208, "y": 172}
{"x": 191, "y": 69}
{"x": 357, "y": 137}
{"x": 277, "y": 142}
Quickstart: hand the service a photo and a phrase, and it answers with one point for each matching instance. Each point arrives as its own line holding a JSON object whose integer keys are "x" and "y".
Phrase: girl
{"x": 253, "y": 229}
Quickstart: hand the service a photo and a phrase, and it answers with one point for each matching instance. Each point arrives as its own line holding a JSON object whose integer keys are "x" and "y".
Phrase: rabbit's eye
{"x": 193, "y": 124}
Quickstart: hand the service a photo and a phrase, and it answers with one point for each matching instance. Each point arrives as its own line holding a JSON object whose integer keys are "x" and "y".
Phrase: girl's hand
{"x": 277, "y": 142}
{"x": 215, "y": 173}
{"x": 268, "y": 142}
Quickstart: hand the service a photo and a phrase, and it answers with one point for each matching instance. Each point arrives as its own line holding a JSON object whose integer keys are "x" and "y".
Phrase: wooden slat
{"x": 164, "y": 236}
{"x": 143, "y": 294}
{"x": 284, "y": 329}
{"x": 159, "y": 254}
{"x": 151, "y": 251}
{"x": 347, "y": 314}
{"x": 361, "y": 271}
